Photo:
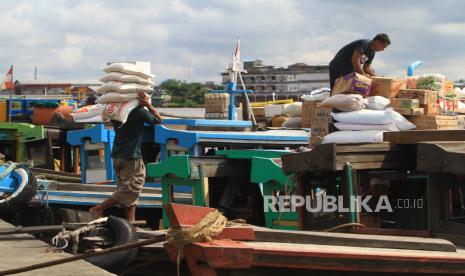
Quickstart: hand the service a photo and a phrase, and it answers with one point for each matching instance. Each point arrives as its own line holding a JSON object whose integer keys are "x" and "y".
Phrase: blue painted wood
{"x": 96, "y": 134}
{"x": 176, "y": 189}
{"x": 9, "y": 183}
{"x": 188, "y": 138}
{"x": 208, "y": 123}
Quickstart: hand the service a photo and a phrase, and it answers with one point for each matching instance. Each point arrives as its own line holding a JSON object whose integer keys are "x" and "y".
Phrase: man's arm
{"x": 144, "y": 101}
{"x": 368, "y": 70}
{"x": 356, "y": 62}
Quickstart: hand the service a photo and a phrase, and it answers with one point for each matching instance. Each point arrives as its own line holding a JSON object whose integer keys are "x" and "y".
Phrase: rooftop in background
{"x": 270, "y": 82}
{"x": 258, "y": 65}
{"x": 59, "y": 82}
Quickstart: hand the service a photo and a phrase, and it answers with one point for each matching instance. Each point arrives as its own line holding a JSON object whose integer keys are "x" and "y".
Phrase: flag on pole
{"x": 236, "y": 64}
{"x": 7, "y": 82}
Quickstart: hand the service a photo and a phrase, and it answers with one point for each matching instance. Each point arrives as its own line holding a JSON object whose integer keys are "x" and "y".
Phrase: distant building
{"x": 78, "y": 91}
{"x": 291, "y": 82}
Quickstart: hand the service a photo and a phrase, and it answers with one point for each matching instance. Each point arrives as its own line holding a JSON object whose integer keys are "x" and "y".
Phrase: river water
{"x": 183, "y": 111}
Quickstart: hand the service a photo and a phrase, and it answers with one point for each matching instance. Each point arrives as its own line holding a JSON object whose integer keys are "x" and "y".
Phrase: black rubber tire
{"x": 21, "y": 199}
{"x": 123, "y": 232}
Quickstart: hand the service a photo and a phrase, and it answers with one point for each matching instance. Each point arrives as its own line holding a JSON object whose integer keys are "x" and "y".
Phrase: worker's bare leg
{"x": 98, "y": 210}
{"x": 131, "y": 212}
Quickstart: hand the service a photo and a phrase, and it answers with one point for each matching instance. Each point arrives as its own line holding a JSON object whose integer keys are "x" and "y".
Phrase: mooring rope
{"x": 205, "y": 230}
{"x": 65, "y": 236}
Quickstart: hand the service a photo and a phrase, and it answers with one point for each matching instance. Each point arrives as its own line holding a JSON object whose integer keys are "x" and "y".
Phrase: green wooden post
{"x": 176, "y": 171}
{"x": 266, "y": 171}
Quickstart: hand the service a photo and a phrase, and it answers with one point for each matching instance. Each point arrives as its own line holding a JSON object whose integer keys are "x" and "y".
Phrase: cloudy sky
{"x": 193, "y": 40}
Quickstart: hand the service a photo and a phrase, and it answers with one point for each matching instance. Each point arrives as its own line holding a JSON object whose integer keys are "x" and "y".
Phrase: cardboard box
{"x": 352, "y": 83}
{"x": 309, "y": 110}
{"x": 386, "y": 87}
{"x": 410, "y": 111}
{"x": 258, "y": 112}
{"x": 312, "y": 113}
{"x": 423, "y": 96}
{"x": 434, "y": 122}
{"x": 404, "y": 103}
{"x": 431, "y": 109}
{"x": 323, "y": 115}
{"x": 314, "y": 141}
{"x": 319, "y": 129}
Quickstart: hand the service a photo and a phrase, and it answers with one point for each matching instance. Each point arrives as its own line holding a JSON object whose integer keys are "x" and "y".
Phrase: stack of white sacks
{"x": 90, "y": 113}
{"x": 363, "y": 120}
{"x": 122, "y": 83}
{"x": 294, "y": 113}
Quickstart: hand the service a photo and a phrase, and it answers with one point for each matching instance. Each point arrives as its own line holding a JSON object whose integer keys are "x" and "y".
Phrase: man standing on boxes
{"x": 357, "y": 57}
{"x": 127, "y": 159}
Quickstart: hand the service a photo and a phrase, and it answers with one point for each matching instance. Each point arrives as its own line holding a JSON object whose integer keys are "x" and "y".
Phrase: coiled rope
{"x": 66, "y": 236}
{"x": 205, "y": 230}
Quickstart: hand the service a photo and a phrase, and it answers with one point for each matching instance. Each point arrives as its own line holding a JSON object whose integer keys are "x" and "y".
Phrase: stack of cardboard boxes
{"x": 216, "y": 105}
{"x": 318, "y": 119}
{"x": 426, "y": 109}
{"x": 416, "y": 102}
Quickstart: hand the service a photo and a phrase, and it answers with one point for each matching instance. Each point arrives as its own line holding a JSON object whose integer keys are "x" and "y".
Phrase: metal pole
{"x": 350, "y": 190}
{"x": 11, "y": 95}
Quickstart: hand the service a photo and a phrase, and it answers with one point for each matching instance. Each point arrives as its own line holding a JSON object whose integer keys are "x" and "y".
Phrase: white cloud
{"x": 450, "y": 29}
{"x": 182, "y": 38}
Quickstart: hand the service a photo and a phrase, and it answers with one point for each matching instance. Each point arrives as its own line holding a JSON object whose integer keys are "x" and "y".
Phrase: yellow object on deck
{"x": 262, "y": 104}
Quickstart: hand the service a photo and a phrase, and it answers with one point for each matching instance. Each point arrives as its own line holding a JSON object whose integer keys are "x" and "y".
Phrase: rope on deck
{"x": 205, "y": 230}
{"x": 65, "y": 236}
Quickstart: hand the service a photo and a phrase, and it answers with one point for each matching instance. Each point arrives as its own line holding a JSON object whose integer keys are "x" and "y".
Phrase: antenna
{"x": 35, "y": 72}
{"x": 189, "y": 72}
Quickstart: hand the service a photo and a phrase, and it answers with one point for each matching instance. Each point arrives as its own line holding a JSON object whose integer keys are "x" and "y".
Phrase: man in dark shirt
{"x": 127, "y": 159}
{"x": 357, "y": 57}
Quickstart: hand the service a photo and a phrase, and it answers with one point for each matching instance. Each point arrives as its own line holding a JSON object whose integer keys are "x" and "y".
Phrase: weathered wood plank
{"x": 348, "y": 239}
{"x": 40, "y": 170}
{"x": 447, "y": 157}
{"x": 372, "y": 147}
{"x": 218, "y": 167}
{"x": 320, "y": 158}
{"x": 375, "y": 165}
{"x": 415, "y": 136}
{"x": 391, "y": 232}
{"x": 368, "y": 157}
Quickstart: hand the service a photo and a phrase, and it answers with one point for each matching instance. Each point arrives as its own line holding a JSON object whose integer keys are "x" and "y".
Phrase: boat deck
{"x": 24, "y": 250}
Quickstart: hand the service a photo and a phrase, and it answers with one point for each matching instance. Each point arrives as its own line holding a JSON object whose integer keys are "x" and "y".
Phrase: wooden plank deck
{"x": 333, "y": 157}
{"x": 23, "y": 250}
{"x": 415, "y": 136}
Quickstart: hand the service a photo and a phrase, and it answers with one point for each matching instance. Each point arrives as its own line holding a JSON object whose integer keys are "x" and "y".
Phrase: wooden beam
{"x": 447, "y": 157}
{"x": 415, "y": 136}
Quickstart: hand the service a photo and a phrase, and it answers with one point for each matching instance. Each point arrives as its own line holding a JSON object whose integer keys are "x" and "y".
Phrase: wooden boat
{"x": 243, "y": 248}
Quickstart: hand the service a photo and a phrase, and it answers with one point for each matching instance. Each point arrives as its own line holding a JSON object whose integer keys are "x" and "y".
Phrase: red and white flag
{"x": 236, "y": 64}
{"x": 7, "y": 82}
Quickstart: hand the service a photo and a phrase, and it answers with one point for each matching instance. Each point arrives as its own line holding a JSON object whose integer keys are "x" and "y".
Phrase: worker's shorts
{"x": 130, "y": 177}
